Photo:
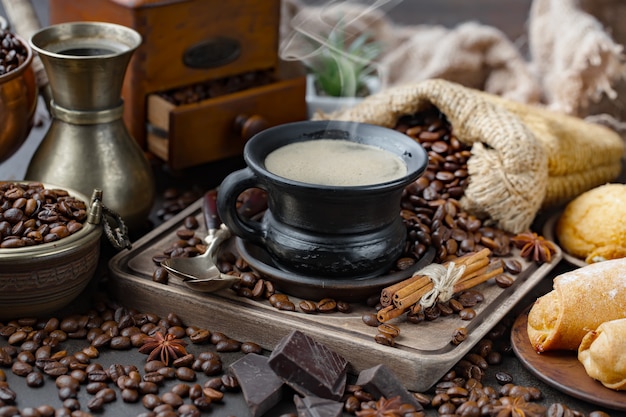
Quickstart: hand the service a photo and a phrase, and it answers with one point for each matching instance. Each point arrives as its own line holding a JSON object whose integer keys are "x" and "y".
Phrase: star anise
{"x": 163, "y": 347}
{"x": 383, "y": 408}
{"x": 534, "y": 247}
{"x": 516, "y": 407}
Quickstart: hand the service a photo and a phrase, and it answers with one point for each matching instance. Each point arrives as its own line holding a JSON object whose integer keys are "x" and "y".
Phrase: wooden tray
{"x": 423, "y": 352}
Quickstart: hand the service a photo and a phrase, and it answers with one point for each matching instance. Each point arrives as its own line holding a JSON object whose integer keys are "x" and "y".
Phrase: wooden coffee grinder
{"x": 206, "y": 77}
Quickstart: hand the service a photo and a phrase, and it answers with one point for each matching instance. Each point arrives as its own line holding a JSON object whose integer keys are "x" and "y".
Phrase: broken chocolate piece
{"x": 380, "y": 381}
{"x": 262, "y": 389}
{"x": 309, "y": 367}
{"x": 312, "y": 406}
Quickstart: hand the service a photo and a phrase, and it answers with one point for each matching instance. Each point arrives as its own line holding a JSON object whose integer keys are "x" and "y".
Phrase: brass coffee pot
{"x": 87, "y": 145}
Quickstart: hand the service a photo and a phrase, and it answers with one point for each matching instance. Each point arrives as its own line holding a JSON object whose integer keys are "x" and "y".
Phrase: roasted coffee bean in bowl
{"x": 49, "y": 247}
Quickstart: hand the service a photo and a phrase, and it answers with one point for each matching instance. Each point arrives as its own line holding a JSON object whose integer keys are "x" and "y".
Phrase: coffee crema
{"x": 335, "y": 162}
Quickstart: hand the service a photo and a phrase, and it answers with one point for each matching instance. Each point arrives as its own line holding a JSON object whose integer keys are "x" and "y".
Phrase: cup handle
{"x": 230, "y": 189}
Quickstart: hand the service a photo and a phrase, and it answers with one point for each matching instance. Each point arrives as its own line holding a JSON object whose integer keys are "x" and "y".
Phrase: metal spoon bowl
{"x": 201, "y": 267}
{"x": 211, "y": 284}
{"x": 200, "y": 273}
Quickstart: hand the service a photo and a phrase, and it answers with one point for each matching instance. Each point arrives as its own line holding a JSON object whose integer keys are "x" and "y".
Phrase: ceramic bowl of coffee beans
{"x": 49, "y": 247}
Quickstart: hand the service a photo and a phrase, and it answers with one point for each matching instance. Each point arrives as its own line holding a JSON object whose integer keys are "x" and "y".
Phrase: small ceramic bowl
{"x": 37, "y": 280}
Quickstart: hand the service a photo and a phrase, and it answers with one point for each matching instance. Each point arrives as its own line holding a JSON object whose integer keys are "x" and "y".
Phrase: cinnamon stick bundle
{"x": 398, "y": 298}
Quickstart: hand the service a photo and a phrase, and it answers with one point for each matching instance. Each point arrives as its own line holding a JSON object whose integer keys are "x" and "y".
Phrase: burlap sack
{"x": 523, "y": 157}
{"x": 576, "y": 48}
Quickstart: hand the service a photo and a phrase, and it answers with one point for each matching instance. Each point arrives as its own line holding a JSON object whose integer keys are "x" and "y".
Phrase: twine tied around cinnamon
{"x": 443, "y": 279}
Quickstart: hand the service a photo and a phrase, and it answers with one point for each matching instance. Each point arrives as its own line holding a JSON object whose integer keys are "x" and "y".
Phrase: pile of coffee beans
{"x": 69, "y": 351}
{"x": 218, "y": 87}
{"x": 31, "y": 214}
{"x": 431, "y": 206}
{"x": 175, "y": 201}
{"x": 12, "y": 52}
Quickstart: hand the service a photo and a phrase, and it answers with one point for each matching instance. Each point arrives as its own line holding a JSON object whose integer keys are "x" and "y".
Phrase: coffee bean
{"x": 370, "y": 319}
{"x": 120, "y": 343}
{"x": 459, "y": 335}
{"x": 228, "y": 345}
{"x": 212, "y": 367}
{"x": 467, "y": 314}
{"x": 504, "y": 281}
{"x": 67, "y": 381}
{"x": 212, "y": 394}
{"x": 202, "y": 403}
{"x": 94, "y": 387}
{"x": 307, "y": 306}
{"x": 154, "y": 377}
{"x": 146, "y": 387}
{"x": 326, "y": 305}
{"x": 230, "y": 382}
{"x": 384, "y": 339}
{"x": 389, "y": 329}
{"x": 185, "y": 374}
{"x": 130, "y": 395}
{"x": 151, "y": 401}
{"x": 54, "y": 368}
{"x": 172, "y": 399}
{"x": 343, "y": 307}
{"x": 95, "y": 404}
{"x": 34, "y": 379}
{"x": 512, "y": 266}
{"x": 286, "y": 305}
{"x": 108, "y": 395}
{"x": 160, "y": 275}
{"x": 215, "y": 383}
{"x": 20, "y": 368}
{"x": 251, "y": 347}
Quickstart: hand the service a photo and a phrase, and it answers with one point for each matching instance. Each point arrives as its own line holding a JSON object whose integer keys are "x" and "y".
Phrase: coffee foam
{"x": 335, "y": 162}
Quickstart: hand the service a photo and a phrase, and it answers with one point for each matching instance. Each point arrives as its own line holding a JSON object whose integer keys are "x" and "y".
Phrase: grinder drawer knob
{"x": 248, "y": 126}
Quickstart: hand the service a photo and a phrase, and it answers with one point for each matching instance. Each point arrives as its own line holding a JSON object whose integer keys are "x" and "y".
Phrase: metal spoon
{"x": 200, "y": 272}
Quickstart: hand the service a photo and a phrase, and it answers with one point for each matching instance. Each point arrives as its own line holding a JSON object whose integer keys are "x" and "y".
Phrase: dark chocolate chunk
{"x": 381, "y": 381}
{"x": 311, "y": 406}
{"x": 262, "y": 389}
{"x": 309, "y": 367}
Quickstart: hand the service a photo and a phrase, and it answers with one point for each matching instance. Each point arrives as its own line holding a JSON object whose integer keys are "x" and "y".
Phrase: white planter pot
{"x": 325, "y": 104}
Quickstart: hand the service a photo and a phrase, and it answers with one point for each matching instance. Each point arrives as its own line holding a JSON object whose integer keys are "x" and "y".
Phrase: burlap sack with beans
{"x": 524, "y": 158}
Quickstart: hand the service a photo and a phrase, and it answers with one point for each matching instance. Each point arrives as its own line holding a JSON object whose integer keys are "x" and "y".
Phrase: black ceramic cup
{"x": 320, "y": 230}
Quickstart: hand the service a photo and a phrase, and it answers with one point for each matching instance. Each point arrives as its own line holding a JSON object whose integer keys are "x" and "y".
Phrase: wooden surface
{"x": 562, "y": 370}
{"x": 171, "y": 27}
{"x": 203, "y": 132}
{"x": 423, "y": 352}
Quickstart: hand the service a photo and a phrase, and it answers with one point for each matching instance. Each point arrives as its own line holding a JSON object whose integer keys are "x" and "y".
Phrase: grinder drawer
{"x": 218, "y": 128}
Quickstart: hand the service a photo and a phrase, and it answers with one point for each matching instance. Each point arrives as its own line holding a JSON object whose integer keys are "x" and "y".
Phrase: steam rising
{"x": 312, "y": 27}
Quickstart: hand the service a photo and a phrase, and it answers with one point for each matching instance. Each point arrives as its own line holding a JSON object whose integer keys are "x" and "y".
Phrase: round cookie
{"x": 593, "y": 225}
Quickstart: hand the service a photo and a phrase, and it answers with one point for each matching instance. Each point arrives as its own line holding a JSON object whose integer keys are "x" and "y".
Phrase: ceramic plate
{"x": 562, "y": 370}
{"x": 549, "y": 232}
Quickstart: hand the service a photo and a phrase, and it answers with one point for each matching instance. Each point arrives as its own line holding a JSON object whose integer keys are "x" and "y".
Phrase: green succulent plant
{"x": 342, "y": 65}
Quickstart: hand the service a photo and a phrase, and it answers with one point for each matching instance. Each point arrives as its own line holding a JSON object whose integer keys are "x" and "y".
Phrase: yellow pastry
{"x": 580, "y": 301}
{"x": 593, "y": 225}
{"x": 603, "y": 354}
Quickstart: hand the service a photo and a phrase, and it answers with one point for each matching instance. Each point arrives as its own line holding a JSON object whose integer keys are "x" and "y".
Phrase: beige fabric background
{"x": 574, "y": 64}
{"x": 532, "y": 147}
